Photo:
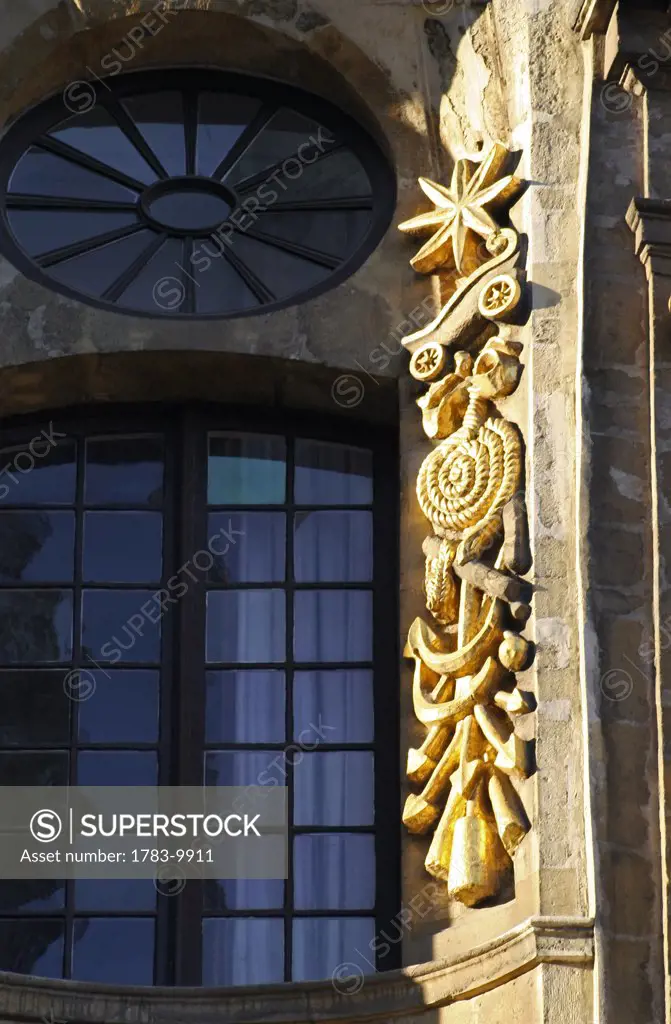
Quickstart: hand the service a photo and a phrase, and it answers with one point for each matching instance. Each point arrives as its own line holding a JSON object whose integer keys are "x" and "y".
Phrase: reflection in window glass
{"x": 334, "y": 872}
{"x": 23, "y": 691}
{"x": 114, "y": 949}
{"x": 124, "y": 471}
{"x": 246, "y": 626}
{"x": 35, "y": 626}
{"x": 322, "y": 944}
{"x": 46, "y": 230}
{"x": 221, "y": 122}
{"x": 32, "y": 947}
{"x": 242, "y": 951}
{"x": 244, "y": 894}
{"x": 344, "y": 700}
{"x": 333, "y": 474}
{"x": 34, "y": 768}
{"x": 95, "y": 133}
{"x": 248, "y": 547}
{"x": 125, "y": 767}
{"x": 123, "y": 547}
{"x": 104, "y": 717}
{"x": 95, "y": 271}
{"x": 333, "y": 625}
{"x": 43, "y": 174}
{"x": 115, "y": 894}
{"x": 285, "y": 132}
{"x": 160, "y": 118}
{"x": 334, "y": 788}
{"x": 333, "y": 547}
{"x": 44, "y": 476}
{"x": 246, "y": 469}
{"x": 117, "y": 627}
{"x": 245, "y": 707}
{"x": 37, "y": 547}
{"x": 22, "y": 895}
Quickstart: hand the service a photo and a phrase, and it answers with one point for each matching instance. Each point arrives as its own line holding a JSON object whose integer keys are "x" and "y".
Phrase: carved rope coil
{"x": 465, "y": 482}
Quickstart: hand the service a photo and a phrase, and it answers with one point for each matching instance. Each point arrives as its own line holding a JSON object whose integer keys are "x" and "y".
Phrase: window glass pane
{"x": 282, "y": 272}
{"x": 333, "y": 547}
{"x": 333, "y": 625}
{"x": 245, "y": 707}
{"x": 335, "y": 176}
{"x": 333, "y": 474}
{"x": 159, "y": 287}
{"x": 95, "y": 133}
{"x": 246, "y": 626}
{"x": 116, "y": 628}
{"x": 118, "y": 950}
{"x": 248, "y": 547}
{"x": 334, "y": 872}
{"x": 48, "y": 768}
{"x": 31, "y": 895}
{"x": 41, "y": 231}
{"x": 124, "y": 471}
{"x": 337, "y": 232}
{"x": 115, "y": 894}
{"x": 222, "y": 120}
{"x": 246, "y": 469}
{"x": 37, "y": 547}
{"x": 244, "y": 894}
{"x": 47, "y": 477}
{"x": 43, "y": 174}
{"x": 123, "y": 547}
{"x": 117, "y": 768}
{"x": 280, "y": 139}
{"x": 334, "y": 788}
{"x": 219, "y": 287}
{"x": 35, "y": 626}
{"x": 95, "y": 271}
{"x": 322, "y": 944}
{"x": 245, "y": 768}
{"x": 20, "y": 694}
{"x": 104, "y": 717}
{"x": 32, "y": 947}
{"x": 159, "y": 117}
{"x": 342, "y": 702}
{"x": 243, "y": 951}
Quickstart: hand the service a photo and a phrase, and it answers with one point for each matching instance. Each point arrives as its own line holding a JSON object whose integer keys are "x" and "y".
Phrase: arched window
{"x": 134, "y": 650}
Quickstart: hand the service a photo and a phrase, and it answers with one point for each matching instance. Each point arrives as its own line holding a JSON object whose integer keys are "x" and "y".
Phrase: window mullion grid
{"x": 289, "y": 709}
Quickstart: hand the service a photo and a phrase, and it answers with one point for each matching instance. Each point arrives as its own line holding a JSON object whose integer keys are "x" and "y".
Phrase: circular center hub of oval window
{"x": 189, "y": 206}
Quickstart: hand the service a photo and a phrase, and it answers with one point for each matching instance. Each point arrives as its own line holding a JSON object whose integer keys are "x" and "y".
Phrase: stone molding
{"x": 650, "y": 221}
{"x": 593, "y": 17}
{"x": 544, "y": 940}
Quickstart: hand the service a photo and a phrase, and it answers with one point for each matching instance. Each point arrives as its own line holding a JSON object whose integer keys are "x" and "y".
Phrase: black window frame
{"x": 372, "y": 151}
{"x": 178, "y": 958}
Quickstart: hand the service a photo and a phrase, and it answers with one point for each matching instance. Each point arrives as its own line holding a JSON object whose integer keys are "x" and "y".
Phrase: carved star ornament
{"x": 463, "y": 213}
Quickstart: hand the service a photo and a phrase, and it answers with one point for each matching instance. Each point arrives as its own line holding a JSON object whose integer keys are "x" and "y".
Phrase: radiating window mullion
{"x": 133, "y": 134}
{"x": 349, "y": 205}
{"x": 254, "y": 283}
{"x": 190, "y": 106}
{"x": 117, "y": 288}
{"x": 189, "y": 303}
{"x": 245, "y": 140}
{"x": 76, "y": 156}
{"x": 264, "y": 175}
{"x": 67, "y": 252}
{"x": 321, "y": 259}
{"x": 18, "y": 201}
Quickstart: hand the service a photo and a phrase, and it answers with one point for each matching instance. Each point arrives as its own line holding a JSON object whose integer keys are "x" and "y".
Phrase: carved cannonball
{"x": 514, "y": 651}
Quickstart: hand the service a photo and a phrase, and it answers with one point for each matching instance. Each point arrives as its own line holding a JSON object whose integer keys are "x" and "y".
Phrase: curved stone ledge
{"x": 568, "y": 941}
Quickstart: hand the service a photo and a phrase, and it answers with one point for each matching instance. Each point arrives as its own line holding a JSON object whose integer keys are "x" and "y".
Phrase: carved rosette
{"x": 470, "y": 489}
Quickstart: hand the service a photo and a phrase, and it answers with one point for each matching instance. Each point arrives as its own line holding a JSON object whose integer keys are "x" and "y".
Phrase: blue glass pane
{"x": 37, "y": 547}
{"x": 160, "y": 119}
{"x": 245, "y": 707}
{"x": 44, "y": 174}
{"x": 41, "y": 231}
{"x": 334, "y": 872}
{"x": 96, "y": 270}
{"x": 94, "y": 132}
{"x": 42, "y": 473}
{"x": 123, "y": 547}
{"x": 280, "y": 139}
{"x": 333, "y": 625}
{"x": 243, "y": 951}
{"x": 115, "y": 894}
{"x": 32, "y": 947}
{"x": 222, "y": 120}
{"x": 248, "y": 547}
{"x": 333, "y": 474}
{"x": 20, "y": 693}
{"x": 104, "y": 717}
{"x": 117, "y": 768}
{"x": 333, "y": 547}
{"x": 323, "y": 944}
{"x": 124, "y": 471}
{"x": 121, "y": 625}
{"x": 246, "y": 626}
{"x": 116, "y": 950}
{"x": 35, "y": 626}
{"x": 334, "y": 788}
{"x": 340, "y": 701}
{"x": 244, "y": 894}
{"x": 246, "y": 469}
{"x": 246, "y": 768}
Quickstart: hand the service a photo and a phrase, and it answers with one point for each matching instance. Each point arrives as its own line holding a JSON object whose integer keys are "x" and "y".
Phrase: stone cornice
{"x": 650, "y": 221}
{"x": 415, "y": 989}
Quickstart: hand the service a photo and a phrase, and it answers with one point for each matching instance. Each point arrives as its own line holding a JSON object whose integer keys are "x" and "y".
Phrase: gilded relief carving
{"x": 470, "y": 489}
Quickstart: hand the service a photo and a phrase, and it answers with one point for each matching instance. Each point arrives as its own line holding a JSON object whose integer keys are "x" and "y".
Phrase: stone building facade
{"x": 578, "y": 92}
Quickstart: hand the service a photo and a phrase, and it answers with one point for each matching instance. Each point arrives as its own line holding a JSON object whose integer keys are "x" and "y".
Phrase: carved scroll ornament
{"x": 470, "y": 488}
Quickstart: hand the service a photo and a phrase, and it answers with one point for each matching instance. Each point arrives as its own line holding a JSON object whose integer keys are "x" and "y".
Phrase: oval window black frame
{"x": 373, "y": 154}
